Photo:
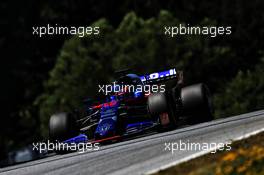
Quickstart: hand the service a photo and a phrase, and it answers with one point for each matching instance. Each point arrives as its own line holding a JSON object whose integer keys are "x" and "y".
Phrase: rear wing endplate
{"x": 158, "y": 77}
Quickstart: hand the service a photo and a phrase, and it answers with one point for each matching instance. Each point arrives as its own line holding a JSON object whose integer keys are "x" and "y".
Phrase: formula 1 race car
{"x": 123, "y": 113}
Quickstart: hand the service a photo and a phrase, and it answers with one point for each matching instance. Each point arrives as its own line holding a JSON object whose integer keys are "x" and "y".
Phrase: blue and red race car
{"x": 136, "y": 104}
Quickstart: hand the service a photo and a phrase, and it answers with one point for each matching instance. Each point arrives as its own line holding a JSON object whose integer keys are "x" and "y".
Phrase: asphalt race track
{"x": 145, "y": 154}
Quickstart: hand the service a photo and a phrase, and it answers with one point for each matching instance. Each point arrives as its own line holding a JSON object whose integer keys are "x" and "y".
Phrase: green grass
{"x": 245, "y": 158}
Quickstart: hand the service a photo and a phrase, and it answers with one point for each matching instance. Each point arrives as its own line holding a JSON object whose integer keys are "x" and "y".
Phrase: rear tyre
{"x": 197, "y": 103}
{"x": 62, "y": 126}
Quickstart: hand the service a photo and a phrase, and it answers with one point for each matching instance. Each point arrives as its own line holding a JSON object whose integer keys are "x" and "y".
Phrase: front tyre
{"x": 157, "y": 103}
{"x": 62, "y": 126}
{"x": 160, "y": 106}
{"x": 197, "y": 103}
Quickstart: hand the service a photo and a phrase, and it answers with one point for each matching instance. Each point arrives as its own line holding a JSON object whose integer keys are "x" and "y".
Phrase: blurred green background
{"x": 53, "y": 73}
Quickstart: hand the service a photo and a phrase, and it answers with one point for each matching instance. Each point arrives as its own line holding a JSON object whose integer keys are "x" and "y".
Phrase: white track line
{"x": 198, "y": 154}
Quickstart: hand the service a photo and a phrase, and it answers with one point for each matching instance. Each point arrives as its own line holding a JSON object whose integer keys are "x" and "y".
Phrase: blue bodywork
{"x": 107, "y": 125}
{"x": 82, "y": 138}
{"x": 157, "y": 76}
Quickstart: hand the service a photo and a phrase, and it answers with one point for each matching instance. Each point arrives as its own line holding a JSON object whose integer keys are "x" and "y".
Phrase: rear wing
{"x": 158, "y": 77}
